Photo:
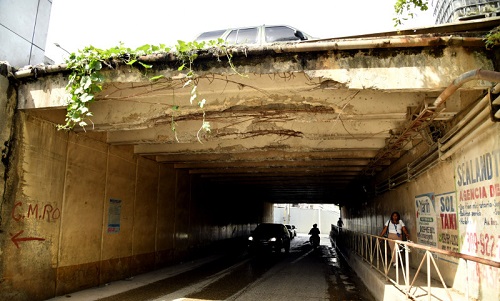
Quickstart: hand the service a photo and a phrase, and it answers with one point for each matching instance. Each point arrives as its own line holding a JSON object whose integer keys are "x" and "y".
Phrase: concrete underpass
{"x": 400, "y": 121}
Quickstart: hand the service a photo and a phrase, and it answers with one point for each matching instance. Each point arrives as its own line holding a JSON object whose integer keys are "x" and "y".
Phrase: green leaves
{"x": 404, "y": 9}
{"x": 83, "y": 83}
{"x": 492, "y": 38}
{"x": 155, "y": 78}
{"x": 86, "y": 79}
{"x": 145, "y": 65}
{"x": 95, "y": 65}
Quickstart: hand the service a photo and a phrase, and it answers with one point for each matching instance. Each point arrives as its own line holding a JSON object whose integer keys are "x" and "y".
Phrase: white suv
{"x": 256, "y": 35}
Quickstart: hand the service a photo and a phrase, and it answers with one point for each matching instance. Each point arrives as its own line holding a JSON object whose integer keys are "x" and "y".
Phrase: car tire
{"x": 287, "y": 248}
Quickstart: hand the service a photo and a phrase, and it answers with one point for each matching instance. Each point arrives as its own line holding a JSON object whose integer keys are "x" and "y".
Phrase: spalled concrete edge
{"x": 8, "y": 104}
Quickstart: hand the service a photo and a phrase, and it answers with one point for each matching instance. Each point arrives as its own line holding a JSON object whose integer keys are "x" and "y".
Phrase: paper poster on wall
{"x": 477, "y": 180}
{"x": 426, "y": 217}
{"x": 478, "y": 194}
{"x": 447, "y": 221}
{"x": 114, "y": 212}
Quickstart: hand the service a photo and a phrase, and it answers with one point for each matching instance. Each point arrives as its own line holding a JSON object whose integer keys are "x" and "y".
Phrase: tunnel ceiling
{"x": 310, "y": 124}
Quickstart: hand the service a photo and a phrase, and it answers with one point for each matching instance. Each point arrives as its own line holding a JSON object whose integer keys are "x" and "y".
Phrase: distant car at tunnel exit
{"x": 292, "y": 230}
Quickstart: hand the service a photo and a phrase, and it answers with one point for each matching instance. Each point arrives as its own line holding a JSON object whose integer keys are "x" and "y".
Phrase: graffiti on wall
{"x": 16, "y": 239}
{"x": 45, "y": 212}
{"x": 24, "y": 211}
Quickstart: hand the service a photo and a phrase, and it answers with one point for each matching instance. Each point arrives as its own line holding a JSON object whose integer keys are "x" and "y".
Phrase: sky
{"x": 75, "y": 24}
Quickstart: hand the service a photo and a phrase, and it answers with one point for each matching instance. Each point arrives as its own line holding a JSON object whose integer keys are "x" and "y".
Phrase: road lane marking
{"x": 301, "y": 257}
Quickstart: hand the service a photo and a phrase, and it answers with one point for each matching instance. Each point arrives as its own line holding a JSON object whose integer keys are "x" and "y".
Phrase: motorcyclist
{"x": 314, "y": 232}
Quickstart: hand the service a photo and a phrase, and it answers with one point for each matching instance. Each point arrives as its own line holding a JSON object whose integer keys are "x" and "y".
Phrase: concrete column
{"x": 8, "y": 103}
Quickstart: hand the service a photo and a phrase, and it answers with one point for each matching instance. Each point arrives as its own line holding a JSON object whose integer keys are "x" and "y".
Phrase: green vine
{"x": 86, "y": 78}
{"x": 492, "y": 38}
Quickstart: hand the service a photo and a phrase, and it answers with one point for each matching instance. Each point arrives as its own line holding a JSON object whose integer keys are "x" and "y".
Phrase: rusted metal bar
{"x": 35, "y": 71}
{"x": 492, "y": 263}
{"x": 373, "y": 43}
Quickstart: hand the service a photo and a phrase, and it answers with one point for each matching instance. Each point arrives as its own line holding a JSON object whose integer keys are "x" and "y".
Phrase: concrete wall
{"x": 8, "y": 103}
{"x": 78, "y": 213}
{"x": 23, "y": 31}
{"x": 463, "y": 197}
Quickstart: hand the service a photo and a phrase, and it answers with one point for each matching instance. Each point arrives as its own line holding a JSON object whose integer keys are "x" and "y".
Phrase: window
{"x": 280, "y": 33}
{"x": 242, "y": 36}
{"x": 211, "y": 35}
{"x": 247, "y": 36}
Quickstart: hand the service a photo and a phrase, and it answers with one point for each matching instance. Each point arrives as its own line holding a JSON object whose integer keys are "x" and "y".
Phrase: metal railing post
{"x": 359, "y": 242}
{"x": 466, "y": 279}
{"x": 407, "y": 267}
{"x": 428, "y": 275}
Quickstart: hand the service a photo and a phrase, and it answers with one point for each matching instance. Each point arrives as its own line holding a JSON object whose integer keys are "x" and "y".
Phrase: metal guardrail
{"x": 372, "y": 249}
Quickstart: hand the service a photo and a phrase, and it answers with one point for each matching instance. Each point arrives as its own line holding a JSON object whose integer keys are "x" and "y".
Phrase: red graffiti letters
{"x": 47, "y": 212}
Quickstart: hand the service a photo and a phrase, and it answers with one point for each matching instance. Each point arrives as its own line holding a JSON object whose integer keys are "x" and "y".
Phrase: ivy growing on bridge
{"x": 86, "y": 78}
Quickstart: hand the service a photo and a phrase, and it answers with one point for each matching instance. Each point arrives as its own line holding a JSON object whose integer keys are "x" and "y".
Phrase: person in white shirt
{"x": 395, "y": 228}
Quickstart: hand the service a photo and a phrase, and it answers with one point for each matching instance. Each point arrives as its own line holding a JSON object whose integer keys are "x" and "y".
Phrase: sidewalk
{"x": 116, "y": 287}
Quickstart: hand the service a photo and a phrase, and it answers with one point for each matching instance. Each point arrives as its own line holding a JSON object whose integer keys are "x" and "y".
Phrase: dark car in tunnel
{"x": 269, "y": 237}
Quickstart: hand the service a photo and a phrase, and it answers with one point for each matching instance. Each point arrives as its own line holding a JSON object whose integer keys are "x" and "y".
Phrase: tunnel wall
{"x": 463, "y": 194}
{"x": 8, "y": 103}
{"x": 78, "y": 213}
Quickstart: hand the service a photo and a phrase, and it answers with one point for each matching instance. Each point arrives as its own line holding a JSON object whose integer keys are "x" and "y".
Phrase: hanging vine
{"x": 492, "y": 38}
{"x": 86, "y": 77}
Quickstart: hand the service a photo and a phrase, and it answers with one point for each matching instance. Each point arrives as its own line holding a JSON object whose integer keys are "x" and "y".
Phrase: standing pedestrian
{"x": 340, "y": 223}
{"x": 395, "y": 228}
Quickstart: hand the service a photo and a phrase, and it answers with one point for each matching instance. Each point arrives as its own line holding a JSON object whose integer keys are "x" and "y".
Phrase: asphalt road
{"x": 303, "y": 274}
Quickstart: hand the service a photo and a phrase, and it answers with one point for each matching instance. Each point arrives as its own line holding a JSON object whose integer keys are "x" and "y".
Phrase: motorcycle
{"x": 314, "y": 241}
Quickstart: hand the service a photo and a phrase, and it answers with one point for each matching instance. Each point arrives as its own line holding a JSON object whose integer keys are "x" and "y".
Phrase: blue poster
{"x": 114, "y": 212}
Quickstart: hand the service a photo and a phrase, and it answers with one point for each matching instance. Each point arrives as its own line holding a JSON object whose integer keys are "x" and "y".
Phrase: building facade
{"x": 23, "y": 31}
{"x": 446, "y": 11}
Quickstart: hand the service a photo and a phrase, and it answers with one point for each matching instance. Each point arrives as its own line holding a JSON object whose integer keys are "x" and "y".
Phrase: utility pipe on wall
{"x": 477, "y": 74}
{"x": 483, "y": 104}
{"x": 464, "y": 126}
{"x": 464, "y": 129}
{"x": 488, "y": 75}
{"x": 457, "y": 132}
{"x": 483, "y": 127}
